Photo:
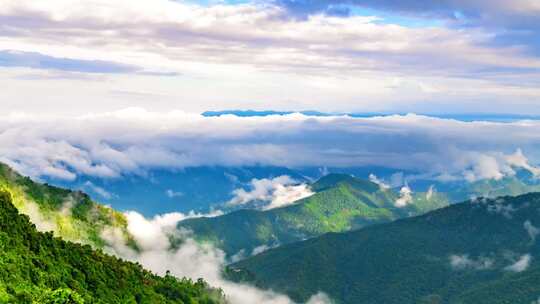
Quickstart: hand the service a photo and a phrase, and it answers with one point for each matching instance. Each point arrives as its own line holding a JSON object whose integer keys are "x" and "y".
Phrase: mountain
{"x": 71, "y": 215}
{"x": 479, "y": 251}
{"x": 341, "y": 203}
{"x": 162, "y": 191}
{"x": 495, "y": 117}
{"x": 36, "y": 267}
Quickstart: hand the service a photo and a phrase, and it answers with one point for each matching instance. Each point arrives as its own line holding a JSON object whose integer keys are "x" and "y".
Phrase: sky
{"x": 75, "y": 57}
{"x": 110, "y": 87}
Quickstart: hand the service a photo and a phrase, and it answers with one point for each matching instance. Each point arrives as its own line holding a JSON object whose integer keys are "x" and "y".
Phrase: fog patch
{"x": 498, "y": 206}
{"x": 521, "y": 264}
{"x": 190, "y": 259}
{"x": 461, "y": 262}
{"x": 430, "y": 192}
{"x": 531, "y": 230}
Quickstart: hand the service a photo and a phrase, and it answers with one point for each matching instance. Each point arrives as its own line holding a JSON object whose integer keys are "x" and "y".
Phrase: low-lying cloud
{"x": 109, "y": 145}
{"x": 273, "y": 193}
{"x": 532, "y": 231}
{"x": 405, "y": 197}
{"x": 461, "y": 262}
{"x": 190, "y": 259}
{"x": 520, "y": 264}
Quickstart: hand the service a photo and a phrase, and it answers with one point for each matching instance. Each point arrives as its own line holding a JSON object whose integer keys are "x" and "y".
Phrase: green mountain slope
{"x": 342, "y": 203}
{"x": 36, "y": 267}
{"x": 71, "y": 215}
{"x": 482, "y": 251}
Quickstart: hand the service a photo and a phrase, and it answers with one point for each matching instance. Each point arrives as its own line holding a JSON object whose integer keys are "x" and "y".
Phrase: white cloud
{"x": 191, "y": 259}
{"x": 277, "y": 192}
{"x": 405, "y": 197}
{"x": 172, "y": 194}
{"x": 323, "y": 61}
{"x": 519, "y": 160}
{"x": 373, "y": 178}
{"x": 531, "y": 230}
{"x": 260, "y": 249}
{"x": 430, "y": 192}
{"x": 108, "y": 145}
{"x": 521, "y": 264}
{"x": 99, "y": 190}
{"x": 461, "y": 262}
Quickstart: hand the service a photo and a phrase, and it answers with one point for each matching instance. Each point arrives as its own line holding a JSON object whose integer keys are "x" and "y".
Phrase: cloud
{"x": 274, "y": 193}
{"x": 132, "y": 141}
{"x": 531, "y": 230}
{"x": 98, "y": 190}
{"x": 405, "y": 197}
{"x": 430, "y": 192}
{"x": 11, "y": 58}
{"x": 172, "y": 194}
{"x": 519, "y": 160}
{"x": 190, "y": 259}
{"x": 460, "y": 262}
{"x": 327, "y": 62}
{"x": 499, "y": 13}
{"x": 499, "y": 206}
{"x": 521, "y": 264}
{"x": 373, "y": 178}
{"x": 179, "y": 32}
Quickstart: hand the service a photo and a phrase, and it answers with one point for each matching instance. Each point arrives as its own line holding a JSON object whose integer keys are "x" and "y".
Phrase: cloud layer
{"x": 110, "y": 145}
{"x": 256, "y": 52}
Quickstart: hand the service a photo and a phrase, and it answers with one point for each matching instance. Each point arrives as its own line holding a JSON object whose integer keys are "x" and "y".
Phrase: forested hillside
{"x": 480, "y": 251}
{"x": 37, "y": 267}
{"x": 341, "y": 203}
{"x": 71, "y": 215}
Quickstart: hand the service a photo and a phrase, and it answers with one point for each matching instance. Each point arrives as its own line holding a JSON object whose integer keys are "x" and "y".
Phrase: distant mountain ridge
{"x": 466, "y": 117}
{"x": 480, "y": 251}
{"x": 341, "y": 203}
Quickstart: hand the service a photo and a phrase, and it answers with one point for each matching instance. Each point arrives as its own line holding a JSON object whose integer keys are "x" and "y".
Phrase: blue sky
{"x": 327, "y": 55}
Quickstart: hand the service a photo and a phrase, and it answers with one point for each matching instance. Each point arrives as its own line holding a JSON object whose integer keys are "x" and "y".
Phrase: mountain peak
{"x": 333, "y": 179}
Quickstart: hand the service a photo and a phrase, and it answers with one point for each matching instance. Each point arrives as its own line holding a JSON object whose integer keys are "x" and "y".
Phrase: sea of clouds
{"x": 134, "y": 140}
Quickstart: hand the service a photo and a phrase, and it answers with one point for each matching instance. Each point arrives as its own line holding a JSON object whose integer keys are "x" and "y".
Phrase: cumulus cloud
{"x": 519, "y": 160}
{"x": 274, "y": 193}
{"x": 460, "y": 262}
{"x": 405, "y": 197}
{"x": 190, "y": 259}
{"x": 108, "y": 145}
{"x": 521, "y": 264}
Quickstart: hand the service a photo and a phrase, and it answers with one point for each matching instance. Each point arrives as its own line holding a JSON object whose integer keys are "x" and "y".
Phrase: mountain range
{"x": 479, "y": 251}
{"x": 340, "y": 203}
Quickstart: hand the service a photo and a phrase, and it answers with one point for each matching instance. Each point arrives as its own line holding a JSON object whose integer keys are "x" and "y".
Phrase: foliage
{"x": 342, "y": 203}
{"x": 37, "y": 267}
{"x": 71, "y": 215}
{"x": 409, "y": 260}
